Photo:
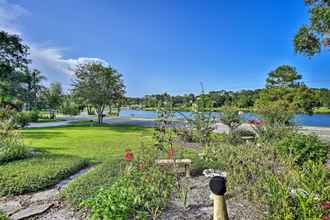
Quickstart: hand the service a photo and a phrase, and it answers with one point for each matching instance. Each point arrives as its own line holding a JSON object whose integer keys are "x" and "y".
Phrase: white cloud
{"x": 9, "y": 14}
{"x": 49, "y": 60}
{"x": 52, "y": 60}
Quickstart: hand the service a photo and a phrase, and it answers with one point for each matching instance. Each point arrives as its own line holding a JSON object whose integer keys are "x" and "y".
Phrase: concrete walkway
{"x": 112, "y": 121}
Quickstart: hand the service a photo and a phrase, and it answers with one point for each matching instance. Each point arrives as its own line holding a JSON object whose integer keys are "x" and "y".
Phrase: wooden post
{"x": 187, "y": 169}
{"x": 219, "y": 208}
{"x": 218, "y": 188}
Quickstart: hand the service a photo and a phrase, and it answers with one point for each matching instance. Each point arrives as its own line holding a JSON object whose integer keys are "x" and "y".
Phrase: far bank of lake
{"x": 322, "y": 120}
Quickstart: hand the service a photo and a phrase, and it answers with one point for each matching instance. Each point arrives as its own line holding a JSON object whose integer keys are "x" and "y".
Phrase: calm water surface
{"x": 300, "y": 119}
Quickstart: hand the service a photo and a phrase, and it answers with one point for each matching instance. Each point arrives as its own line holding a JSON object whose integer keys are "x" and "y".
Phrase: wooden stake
{"x": 219, "y": 208}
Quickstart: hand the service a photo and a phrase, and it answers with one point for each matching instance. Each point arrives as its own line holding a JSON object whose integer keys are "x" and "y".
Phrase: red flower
{"x": 170, "y": 153}
{"x": 325, "y": 217}
{"x": 326, "y": 205}
{"x": 128, "y": 156}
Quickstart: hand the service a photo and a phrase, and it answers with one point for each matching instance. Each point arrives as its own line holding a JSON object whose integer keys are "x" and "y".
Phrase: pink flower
{"x": 128, "y": 155}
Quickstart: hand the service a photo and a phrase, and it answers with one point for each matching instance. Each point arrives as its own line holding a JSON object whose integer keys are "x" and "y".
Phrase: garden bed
{"x": 200, "y": 204}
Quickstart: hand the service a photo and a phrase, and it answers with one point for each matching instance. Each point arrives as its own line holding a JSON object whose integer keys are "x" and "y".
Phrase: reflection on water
{"x": 300, "y": 119}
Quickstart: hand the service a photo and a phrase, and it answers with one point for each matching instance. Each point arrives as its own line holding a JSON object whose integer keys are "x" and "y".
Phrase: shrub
{"x": 299, "y": 195}
{"x": 34, "y": 115}
{"x": 21, "y": 119}
{"x": 303, "y": 147}
{"x": 135, "y": 194}
{"x": 268, "y": 133}
{"x": 11, "y": 143}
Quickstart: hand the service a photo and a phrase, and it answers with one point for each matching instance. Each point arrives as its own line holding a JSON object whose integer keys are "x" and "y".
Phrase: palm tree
{"x": 33, "y": 81}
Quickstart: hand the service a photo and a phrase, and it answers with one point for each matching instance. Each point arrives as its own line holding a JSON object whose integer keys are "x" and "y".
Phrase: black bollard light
{"x": 218, "y": 188}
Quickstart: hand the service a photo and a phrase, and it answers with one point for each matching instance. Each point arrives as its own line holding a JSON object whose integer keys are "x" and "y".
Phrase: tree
{"x": 13, "y": 64}
{"x": 283, "y": 76}
{"x": 98, "y": 85}
{"x": 309, "y": 38}
{"x": 69, "y": 105}
{"x": 33, "y": 81}
{"x": 53, "y": 96}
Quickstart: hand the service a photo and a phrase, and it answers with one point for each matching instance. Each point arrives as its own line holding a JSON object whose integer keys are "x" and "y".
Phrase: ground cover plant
{"x": 87, "y": 186}
{"x": 36, "y": 173}
{"x": 3, "y": 216}
{"x": 137, "y": 193}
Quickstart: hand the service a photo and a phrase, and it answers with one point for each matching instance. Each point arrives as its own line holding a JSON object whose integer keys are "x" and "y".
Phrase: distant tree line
{"x": 283, "y": 84}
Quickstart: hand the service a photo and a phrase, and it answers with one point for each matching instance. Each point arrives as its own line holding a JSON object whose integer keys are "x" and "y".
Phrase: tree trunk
{"x": 89, "y": 110}
{"x": 110, "y": 110}
{"x": 99, "y": 111}
{"x": 118, "y": 109}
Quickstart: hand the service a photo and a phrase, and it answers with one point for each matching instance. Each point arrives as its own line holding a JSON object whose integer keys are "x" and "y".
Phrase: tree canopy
{"x": 13, "y": 64}
{"x": 283, "y": 76}
{"x": 98, "y": 85}
{"x": 310, "y": 37}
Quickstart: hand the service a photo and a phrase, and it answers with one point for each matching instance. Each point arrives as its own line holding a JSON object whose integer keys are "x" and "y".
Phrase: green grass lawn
{"x": 87, "y": 140}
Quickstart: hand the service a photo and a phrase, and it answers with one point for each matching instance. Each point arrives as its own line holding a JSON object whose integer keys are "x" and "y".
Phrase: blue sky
{"x": 166, "y": 45}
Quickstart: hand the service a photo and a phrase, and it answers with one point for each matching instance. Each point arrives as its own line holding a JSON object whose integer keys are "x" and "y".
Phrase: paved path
{"x": 112, "y": 121}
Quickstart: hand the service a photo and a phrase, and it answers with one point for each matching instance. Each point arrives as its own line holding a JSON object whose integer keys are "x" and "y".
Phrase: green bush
{"x": 21, "y": 119}
{"x": 136, "y": 194}
{"x": 34, "y": 115}
{"x": 303, "y": 147}
{"x": 268, "y": 133}
{"x": 299, "y": 195}
{"x": 11, "y": 143}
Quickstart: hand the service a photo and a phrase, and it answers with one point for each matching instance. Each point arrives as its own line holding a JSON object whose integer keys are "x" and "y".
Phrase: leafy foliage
{"x": 53, "y": 96}
{"x": 230, "y": 117}
{"x": 283, "y": 76}
{"x": 303, "y": 147}
{"x": 136, "y": 194}
{"x": 11, "y": 142}
{"x": 299, "y": 194}
{"x": 87, "y": 186}
{"x": 110, "y": 86}
{"x": 308, "y": 40}
{"x": 69, "y": 106}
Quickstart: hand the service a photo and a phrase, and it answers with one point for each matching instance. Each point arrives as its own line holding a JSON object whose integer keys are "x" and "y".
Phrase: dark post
{"x": 218, "y": 188}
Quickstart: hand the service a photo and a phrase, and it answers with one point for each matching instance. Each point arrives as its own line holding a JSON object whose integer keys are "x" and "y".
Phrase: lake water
{"x": 300, "y": 119}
